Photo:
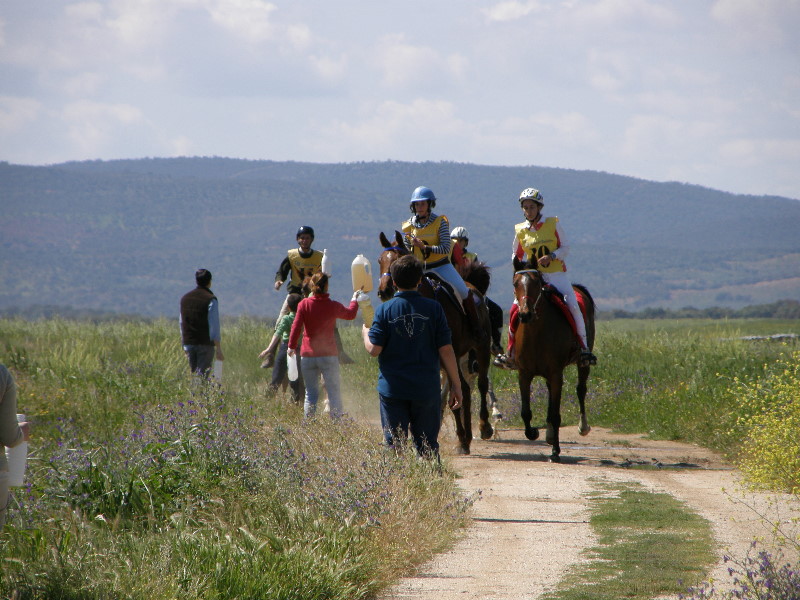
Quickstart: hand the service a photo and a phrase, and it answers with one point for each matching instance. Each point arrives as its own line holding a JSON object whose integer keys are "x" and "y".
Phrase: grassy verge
{"x": 649, "y": 545}
{"x": 143, "y": 484}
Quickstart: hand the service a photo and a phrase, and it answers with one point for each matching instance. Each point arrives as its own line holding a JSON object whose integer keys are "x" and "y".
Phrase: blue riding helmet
{"x": 420, "y": 194}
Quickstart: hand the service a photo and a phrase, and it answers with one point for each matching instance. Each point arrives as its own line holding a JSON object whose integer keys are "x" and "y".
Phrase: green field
{"x": 145, "y": 485}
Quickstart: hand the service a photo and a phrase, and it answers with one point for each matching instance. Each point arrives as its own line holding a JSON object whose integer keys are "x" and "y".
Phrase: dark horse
{"x": 476, "y": 275}
{"x": 545, "y": 345}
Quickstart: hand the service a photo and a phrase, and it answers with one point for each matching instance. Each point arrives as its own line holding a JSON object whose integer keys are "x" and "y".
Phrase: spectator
{"x": 200, "y": 331}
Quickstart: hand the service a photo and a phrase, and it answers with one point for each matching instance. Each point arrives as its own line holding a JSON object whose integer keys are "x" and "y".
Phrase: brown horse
{"x": 545, "y": 345}
{"x": 476, "y": 275}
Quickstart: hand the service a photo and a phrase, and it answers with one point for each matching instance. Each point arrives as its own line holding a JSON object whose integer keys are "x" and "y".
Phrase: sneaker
{"x": 496, "y": 349}
{"x": 587, "y": 359}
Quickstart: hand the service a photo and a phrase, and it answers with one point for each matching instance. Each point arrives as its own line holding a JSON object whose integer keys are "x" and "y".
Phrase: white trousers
{"x": 561, "y": 282}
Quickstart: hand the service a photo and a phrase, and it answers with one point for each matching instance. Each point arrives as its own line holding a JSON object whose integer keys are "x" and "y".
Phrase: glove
{"x": 355, "y": 296}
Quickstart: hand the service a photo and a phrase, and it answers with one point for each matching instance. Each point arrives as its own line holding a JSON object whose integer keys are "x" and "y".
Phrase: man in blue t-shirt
{"x": 411, "y": 338}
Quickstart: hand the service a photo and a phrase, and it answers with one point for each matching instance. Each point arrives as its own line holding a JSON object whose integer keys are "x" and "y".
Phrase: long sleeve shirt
{"x": 316, "y": 319}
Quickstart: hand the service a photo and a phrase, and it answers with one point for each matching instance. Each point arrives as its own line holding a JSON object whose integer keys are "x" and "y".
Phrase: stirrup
{"x": 503, "y": 361}
{"x": 587, "y": 359}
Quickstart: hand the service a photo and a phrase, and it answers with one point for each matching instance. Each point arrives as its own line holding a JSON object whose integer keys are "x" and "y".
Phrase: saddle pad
{"x": 558, "y": 300}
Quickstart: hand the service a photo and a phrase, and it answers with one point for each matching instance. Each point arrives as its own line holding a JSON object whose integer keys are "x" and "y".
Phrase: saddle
{"x": 440, "y": 285}
{"x": 557, "y": 300}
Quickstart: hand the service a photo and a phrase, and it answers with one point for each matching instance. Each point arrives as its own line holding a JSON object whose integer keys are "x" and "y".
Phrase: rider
{"x": 460, "y": 238}
{"x": 542, "y": 239}
{"x": 302, "y": 262}
{"x": 427, "y": 236}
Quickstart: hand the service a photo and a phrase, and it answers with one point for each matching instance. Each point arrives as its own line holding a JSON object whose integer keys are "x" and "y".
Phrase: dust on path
{"x": 531, "y": 523}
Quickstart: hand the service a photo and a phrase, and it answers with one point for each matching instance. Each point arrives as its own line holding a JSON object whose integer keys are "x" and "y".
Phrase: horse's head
{"x": 391, "y": 252}
{"x": 528, "y": 290}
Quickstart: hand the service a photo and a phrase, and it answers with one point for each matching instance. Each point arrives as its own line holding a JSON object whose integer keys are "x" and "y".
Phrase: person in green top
{"x": 280, "y": 342}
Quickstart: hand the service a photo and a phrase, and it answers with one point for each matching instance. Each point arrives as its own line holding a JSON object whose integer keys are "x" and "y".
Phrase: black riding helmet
{"x": 305, "y": 229}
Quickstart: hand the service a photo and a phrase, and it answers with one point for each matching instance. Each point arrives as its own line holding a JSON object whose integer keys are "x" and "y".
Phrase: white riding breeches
{"x": 561, "y": 282}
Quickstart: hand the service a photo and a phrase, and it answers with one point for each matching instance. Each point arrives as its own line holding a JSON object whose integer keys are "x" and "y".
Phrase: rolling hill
{"x": 127, "y": 235}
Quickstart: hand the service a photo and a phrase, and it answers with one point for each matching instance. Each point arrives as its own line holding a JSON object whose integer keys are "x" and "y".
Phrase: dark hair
{"x": 292, "y": 300}
{"x": 406, "y": 272}
{"x": 319, "y": 283}
{"x": 202, "y": 277}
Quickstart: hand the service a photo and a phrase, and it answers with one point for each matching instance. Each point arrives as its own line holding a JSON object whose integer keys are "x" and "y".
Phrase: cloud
{"x": 249, "y": 19}
{"x": 511, "y": 11}
{"x": 407, "y": 65}
{"x": 93, "y": 125}
{"x": 763, "y": 22}
{"x": 17, "y": 113}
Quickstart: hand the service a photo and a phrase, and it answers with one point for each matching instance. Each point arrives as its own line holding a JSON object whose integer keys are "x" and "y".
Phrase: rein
{"x": 527, "y": 297}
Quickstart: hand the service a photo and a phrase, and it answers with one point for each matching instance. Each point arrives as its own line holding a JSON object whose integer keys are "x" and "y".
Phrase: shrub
{"x": 770, "y": 425}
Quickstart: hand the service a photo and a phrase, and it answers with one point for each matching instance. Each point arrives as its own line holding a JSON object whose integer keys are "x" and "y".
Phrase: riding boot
{"x": 344, "y": 358}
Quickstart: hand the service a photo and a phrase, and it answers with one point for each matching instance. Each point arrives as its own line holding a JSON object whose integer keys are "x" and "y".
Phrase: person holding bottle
{"x": 12, "y": 433}
{"x": 315, "y": 321}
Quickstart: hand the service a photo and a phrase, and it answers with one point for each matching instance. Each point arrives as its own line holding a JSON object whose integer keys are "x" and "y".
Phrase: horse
{"x": 545, "y": 344}
{"x": 464, "y": 339}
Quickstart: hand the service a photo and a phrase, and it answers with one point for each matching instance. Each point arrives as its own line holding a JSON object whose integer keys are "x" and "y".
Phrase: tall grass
{"x": 145, "y": 484}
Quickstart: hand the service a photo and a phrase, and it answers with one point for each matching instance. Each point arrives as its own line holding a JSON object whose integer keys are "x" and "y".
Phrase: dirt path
{"x": 531, "y": 522}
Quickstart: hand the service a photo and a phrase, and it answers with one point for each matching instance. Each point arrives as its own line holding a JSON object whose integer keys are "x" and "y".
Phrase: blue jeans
{"x": 422, "y": 416}
{"x": 328, "y": 367}
{"x": 200, "y": 359}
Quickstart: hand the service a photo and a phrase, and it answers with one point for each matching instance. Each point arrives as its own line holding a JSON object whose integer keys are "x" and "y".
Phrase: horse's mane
{"x": 476, "y": 273}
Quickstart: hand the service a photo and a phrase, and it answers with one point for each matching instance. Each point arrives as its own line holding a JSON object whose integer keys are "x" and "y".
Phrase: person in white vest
{"x": 541, "y": 240}
{"x": 12, "y": 433}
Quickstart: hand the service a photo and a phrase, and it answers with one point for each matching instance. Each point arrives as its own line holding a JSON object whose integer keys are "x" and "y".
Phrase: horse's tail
{"x": 476, "y": 273}
{"x": 589, "y": 301}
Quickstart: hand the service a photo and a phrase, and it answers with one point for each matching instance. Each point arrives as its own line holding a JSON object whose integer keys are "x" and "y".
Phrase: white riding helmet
{"x": 531, "y": 194}
{"x": 459, "y": 233}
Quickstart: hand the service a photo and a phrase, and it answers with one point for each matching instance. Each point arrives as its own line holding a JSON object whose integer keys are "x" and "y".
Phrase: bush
{"x": 770, "y": 426}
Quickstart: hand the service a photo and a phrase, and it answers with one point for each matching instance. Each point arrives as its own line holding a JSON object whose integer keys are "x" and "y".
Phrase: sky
{"x": 695, "y": 91}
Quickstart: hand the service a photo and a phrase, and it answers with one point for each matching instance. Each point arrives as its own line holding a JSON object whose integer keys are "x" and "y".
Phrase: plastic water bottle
{"x": 367, "y": 312}
{"x": 361, "y": 273}
{"x": 218, "y": 371}
{"x": 291, "y": 364}
{"x": 325, "y": 263}
{"x": 17, "y": 458}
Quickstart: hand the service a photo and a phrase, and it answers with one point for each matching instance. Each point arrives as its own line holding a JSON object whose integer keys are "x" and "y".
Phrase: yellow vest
{"x": 303, "y": 267}
{"x": 470, "y": 255}
{"x": 428, "y": 234}
{"x": 540, "y": 242}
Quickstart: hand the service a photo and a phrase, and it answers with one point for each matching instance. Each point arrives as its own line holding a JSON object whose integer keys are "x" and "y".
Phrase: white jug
{"x": 325, "y": 267}
{"x": 361, "y": 272}
{"x": 291, "y": 364}
{"x": 17, "y": 458}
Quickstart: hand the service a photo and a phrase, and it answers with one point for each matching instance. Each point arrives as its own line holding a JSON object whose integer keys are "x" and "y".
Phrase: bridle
{"x": 400, "y": 250}
{"x": 526, "y": 298}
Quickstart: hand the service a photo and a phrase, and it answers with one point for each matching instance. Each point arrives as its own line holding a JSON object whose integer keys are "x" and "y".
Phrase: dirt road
{"x": 531, "y": 521}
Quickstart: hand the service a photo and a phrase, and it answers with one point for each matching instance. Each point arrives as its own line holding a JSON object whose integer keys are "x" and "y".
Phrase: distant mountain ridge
{"x": 127, "y": 235}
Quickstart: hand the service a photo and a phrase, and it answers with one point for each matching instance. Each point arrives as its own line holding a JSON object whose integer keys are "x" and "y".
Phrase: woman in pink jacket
{"x": 316, "y": 319}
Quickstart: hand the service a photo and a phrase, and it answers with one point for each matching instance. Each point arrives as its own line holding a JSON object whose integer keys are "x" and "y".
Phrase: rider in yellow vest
{"x": 541, "y": 240}
{"x": 300, "y": 262}
{"x": 427, "y": 236}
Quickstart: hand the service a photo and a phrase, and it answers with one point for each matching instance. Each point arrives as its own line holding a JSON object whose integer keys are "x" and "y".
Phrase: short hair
{"x": 319, "y": 283}
{"x": 202, "y": 277}
{"x": 406, "y": 271}
{"x": 292, "y": 300}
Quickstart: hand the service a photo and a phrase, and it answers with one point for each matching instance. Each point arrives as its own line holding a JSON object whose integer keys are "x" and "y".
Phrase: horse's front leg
{"x": 465, "y": 431}
{"x": 580, "y": 390}
{"x": 483, "y": 387}
{"x": 554, "y": 385}
{"x": 524, "y": 379}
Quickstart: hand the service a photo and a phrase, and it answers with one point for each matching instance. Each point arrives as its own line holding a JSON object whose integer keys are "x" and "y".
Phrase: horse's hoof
{"x": 585, "y": 430}
{"x": 532, "y": 433}
{"x": 554, "y": 458}
{"x": 486, "y": 432}
{"x": 462, "y": 451}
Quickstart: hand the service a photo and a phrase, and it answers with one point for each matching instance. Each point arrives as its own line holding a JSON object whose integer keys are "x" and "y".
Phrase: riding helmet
{"x": 305, "y": 229}
{"x": 531, "y": 194}
{"x": 459, "y": 233}
{"x": 423, "y": 193}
